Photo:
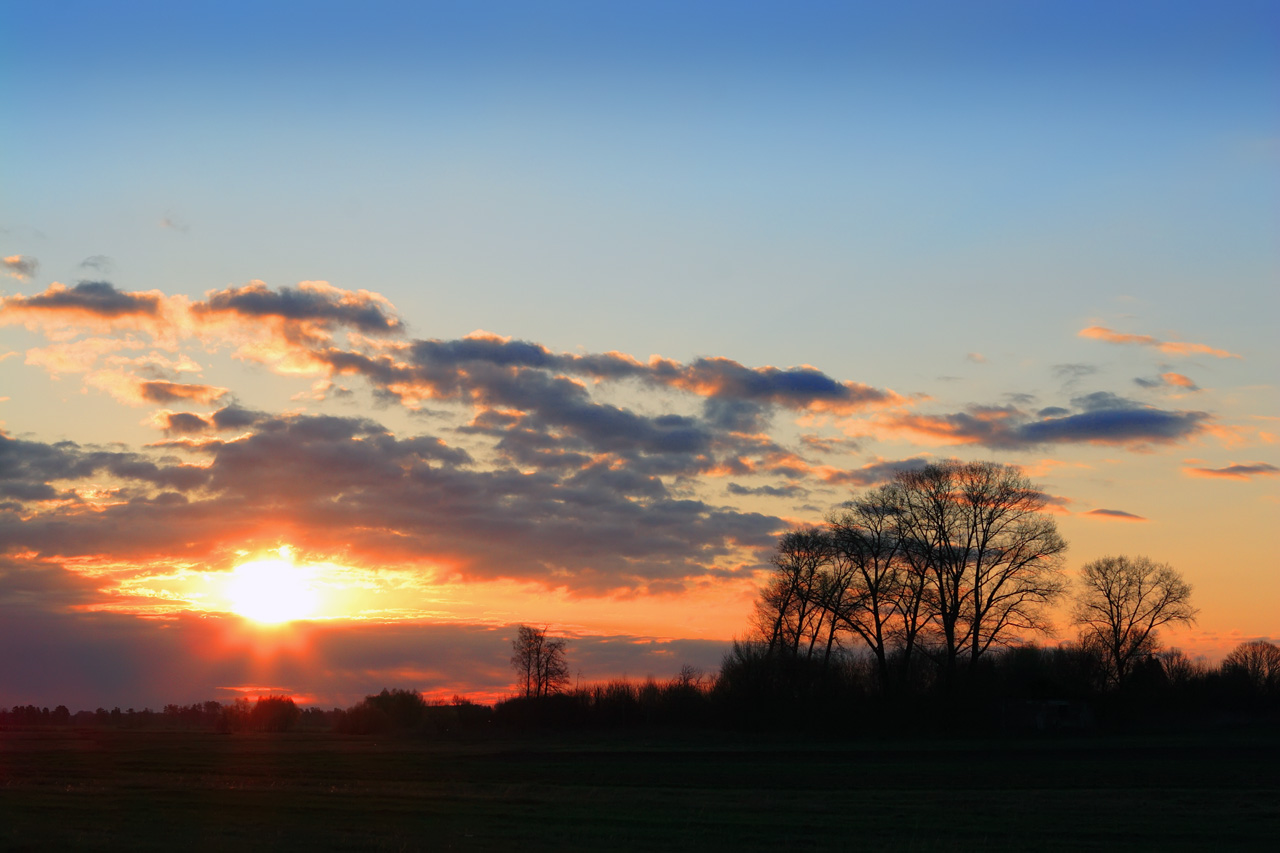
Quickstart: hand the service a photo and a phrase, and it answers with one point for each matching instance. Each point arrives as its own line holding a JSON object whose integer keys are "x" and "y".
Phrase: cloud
{"x": 95, "y": 305}
{"x": 1113, "y": 515}
{"x": 1235, "y": 471}
{"x": 101, "y": 263}
{"x": 172, "y": 222}
{"x": 304, "y": 311}
{"x": 1168, "y": 380}
{"x": 872, "y": 473}
{"x": 1169, "y": 347}
{"x": 133, "y": 390}
{"x": 19, "y": 266}
{"x": 1098, "y": 418}
{"x": 347, "y": 486}
{"x": 792, "y": 491}
{"x": 1071, "y": 374}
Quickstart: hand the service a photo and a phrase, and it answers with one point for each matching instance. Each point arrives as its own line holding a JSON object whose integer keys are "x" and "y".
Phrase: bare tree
{"x": 790, "y": 614}
{"x": 992, "y": 558}
{"x": 1120, "y": 604}
{"x": 882, "y": 605}
{"x": 961, "y": 553}
{"x": 539, "y": 662}
{"x": 1256, "y": 662}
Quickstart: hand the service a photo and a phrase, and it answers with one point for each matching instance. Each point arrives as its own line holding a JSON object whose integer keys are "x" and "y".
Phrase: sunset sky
{"x": 430, "y": 321}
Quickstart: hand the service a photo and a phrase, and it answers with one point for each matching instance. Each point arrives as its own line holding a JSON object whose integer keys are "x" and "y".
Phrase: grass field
{"x": 171, "y": 790}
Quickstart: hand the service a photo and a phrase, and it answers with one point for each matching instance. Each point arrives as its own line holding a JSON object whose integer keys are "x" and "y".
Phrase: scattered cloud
{"x": 133, "y": 390}
{"x": 101, "y": 263}
{"x": 19, "y": 266}
{"x": 173, "y": 222}
{"x": 1168, "y": 380}
{"x": 1236, "y": 471}
{"x": 1097, "y": 418}
{"x": 1102, "y": 333}
{"x": 1113, "y": 515}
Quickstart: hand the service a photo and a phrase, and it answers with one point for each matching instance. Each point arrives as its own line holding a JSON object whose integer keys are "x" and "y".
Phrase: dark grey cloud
{"x": 28, "y": 469}
{"x": 1116, "y": 514}
{"x": 99, "y": 298}
{"x": 1101, "y": 417}
{"x": 1237, "y": 471}
{"x": 1115, "y": 426}
{"x": 324, "y": 305}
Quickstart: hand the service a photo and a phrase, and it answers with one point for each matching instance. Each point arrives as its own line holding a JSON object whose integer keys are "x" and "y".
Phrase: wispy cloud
{"x": 1168, "y": 380}
{"x": 1113, "y": 515}
{"x": 1236, "y": 471}
{"x": 1102, "y": 333}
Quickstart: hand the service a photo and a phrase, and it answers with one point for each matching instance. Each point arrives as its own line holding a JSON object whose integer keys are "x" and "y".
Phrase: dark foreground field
{"x": 204, "y": 791}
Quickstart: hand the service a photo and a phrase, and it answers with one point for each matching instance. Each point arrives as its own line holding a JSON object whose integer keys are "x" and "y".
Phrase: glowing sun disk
{"x": 271, "y": 591}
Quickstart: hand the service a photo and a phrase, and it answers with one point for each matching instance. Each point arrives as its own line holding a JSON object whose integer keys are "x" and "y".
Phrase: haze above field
{"x": 431, "y": 321}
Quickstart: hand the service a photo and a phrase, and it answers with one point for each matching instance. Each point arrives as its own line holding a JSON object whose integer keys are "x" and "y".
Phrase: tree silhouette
{"x": 539, "y": 662}
{"x": 1257, "y": 663}
{"x": 955, "y": 557}
{"x": 990, "y": 557}
{"x": 1120, "y": 604}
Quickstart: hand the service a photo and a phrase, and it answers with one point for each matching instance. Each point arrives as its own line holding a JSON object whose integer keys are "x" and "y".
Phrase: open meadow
{"x": 99, "y": 789}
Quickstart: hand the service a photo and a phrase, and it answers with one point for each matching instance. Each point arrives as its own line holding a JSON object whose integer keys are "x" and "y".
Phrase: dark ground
{"x": 100, "y": 789}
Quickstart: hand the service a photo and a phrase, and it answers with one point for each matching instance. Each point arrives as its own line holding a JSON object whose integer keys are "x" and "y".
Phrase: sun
{"x": 272, "y": 591}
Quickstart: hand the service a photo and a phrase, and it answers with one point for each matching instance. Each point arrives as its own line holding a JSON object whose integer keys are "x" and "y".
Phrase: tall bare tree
{"x": 539, "y": 662}
{"x": 790, "y": 614}
{"x": 1121, "y": 602}
{"x": 882, "y": 606}
{"x": 992, "y": 557}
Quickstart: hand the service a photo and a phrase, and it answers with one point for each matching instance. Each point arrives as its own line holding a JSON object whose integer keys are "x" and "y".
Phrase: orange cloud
{"x": 1235, "y": 471}
{"x": 1113, "y": 515}
{"x": 1102, "y": 333}
{"x": 141, "y": 392}
{"x": 1177, "y": 379}
{"x": 19, "y": 266}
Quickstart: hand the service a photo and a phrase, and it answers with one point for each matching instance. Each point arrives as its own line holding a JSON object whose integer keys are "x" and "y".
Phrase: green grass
{"x": 153, "y": 790}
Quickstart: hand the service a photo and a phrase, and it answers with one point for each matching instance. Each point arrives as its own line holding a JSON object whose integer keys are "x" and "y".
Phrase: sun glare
{"x": 271, "y": 592}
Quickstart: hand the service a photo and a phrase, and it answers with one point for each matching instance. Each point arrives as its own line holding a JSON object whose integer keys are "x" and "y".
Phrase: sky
{"x": 337, "y": 339}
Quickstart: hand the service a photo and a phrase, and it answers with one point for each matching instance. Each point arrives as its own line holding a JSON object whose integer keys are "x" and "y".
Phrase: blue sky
{"x": 933, "y": 200}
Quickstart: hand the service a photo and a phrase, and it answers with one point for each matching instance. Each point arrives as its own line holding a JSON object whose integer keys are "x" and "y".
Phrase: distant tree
{"x": 539, "y": 662}
{"x": 273, "y": 714}
{"x": 1257, "y": 663}
{"x": 1120, "y": 604}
